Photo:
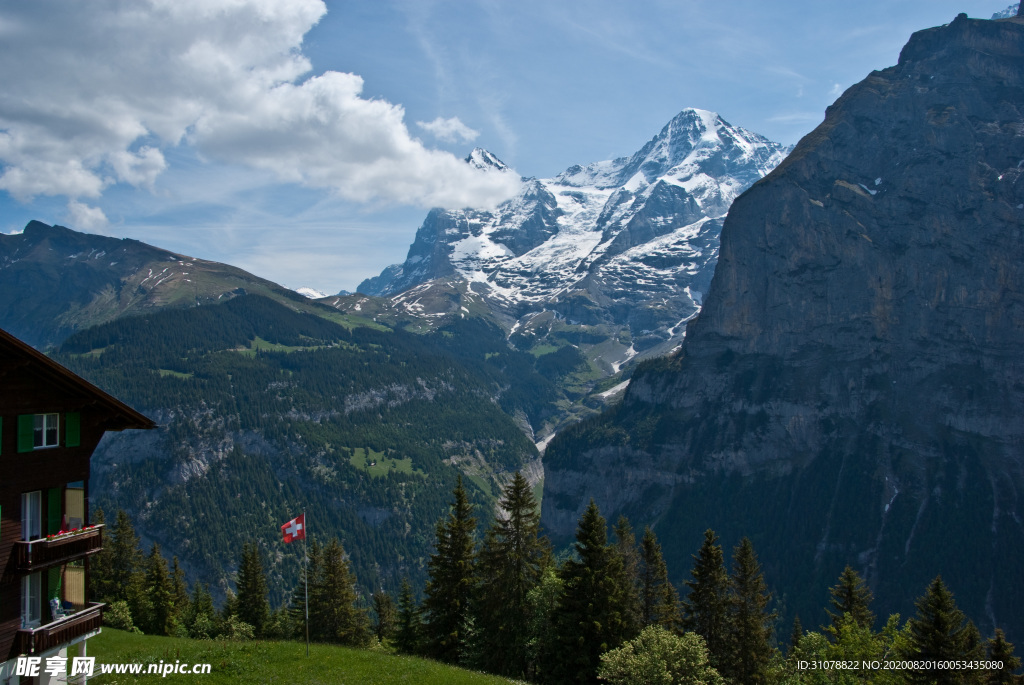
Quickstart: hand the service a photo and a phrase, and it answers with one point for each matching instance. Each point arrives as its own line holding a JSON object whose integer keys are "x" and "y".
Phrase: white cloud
{"x": 84, "y": 217}
{"x": 95, "y": 93}
{"x": 449, "y": 130}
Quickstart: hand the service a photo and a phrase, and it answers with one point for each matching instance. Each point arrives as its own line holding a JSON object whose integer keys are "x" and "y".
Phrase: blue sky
{"x": 304, "y": 141}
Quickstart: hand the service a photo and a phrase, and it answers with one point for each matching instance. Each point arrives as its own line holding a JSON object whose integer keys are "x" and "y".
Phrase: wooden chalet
{"x": 50, "y": 422}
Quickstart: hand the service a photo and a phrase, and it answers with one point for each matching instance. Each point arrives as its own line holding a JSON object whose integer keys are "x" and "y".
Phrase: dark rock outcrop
{"x": 853, "y": 390}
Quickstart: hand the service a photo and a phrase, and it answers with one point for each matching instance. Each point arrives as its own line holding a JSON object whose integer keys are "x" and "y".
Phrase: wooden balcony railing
{"x": 61, "y": 631}
{"x": 40, "y": 554}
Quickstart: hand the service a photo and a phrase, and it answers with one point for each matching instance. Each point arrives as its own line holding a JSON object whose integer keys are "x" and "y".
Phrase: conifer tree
{"x": 100, "y": 568}
{"x": 450, "y": 584}
{"x": 159, "y": 591}
{"x": 201, "y": 618}
{"x": 387, "y": 616}
{"x": 508, "y": 569}
{"x": 659, "y": 600}
{"x": 179, "y": 595}
{"x": 750, "y": 622}
{"x": 706, "y": 607}
{"x": 851, "y": 595}
{"x": 998, "y": 650}
{"x": 940, "y": 632}
{"x": 407, "y": 636}
{"x": 341, "y": 620}
{"x": 795, "y": 636}
{"x": 591, "y": 615}
{"x": 253, "y": 606}
{"x": 125, "y": 558}
{"x": 625, "y": 547}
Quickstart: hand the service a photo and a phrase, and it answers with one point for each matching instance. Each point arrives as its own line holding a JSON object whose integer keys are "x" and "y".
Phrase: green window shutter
{"x": 26, "y": 432}
{"x": 72, "y": 429}
{"x": 53, "y": 506}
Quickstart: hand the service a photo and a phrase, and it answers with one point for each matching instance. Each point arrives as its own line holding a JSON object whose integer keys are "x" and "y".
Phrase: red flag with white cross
{"x": 295, "y": 529}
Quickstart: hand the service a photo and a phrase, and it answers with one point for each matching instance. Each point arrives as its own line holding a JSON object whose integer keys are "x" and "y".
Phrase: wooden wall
{"x": 24, "y": 392}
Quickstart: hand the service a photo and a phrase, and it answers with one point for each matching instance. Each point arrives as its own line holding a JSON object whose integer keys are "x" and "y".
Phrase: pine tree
{"x": 795, "y": 636}
{"x": 658, "y": 599}
{"x": 159, "y": 591}
{"x": 339, "y": 618}
{"x": 706, "y": 607}
{"x": 179, "y": 596}
{"x": 509, "y": 567}
{"x": 125, "y": 558}
{"x": 451, "y": 581}
{"x": 940, "y": 632}
{"x": 851, "y": 595}
{"x": 100, "y": 568}
{"x": 253, "y": 605}
{"x": 591, "y": 615}
{"x": 201, "y": 619}
{"x": 625, "y": 547}
{"x": 1000, "y": 651}
{"x": 750, "y": 622}
{"x": 407, "y": 637}
{"x": 387, "y": 616}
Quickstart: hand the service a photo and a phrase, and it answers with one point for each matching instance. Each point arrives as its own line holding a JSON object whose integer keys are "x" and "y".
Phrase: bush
{"x": 237, "y": 629}
{"x": 658, "y": 657}
{"x": 119, "y": 616}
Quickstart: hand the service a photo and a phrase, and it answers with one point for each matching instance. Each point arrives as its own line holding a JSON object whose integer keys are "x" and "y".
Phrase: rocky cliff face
{"x": 853, "y": 389}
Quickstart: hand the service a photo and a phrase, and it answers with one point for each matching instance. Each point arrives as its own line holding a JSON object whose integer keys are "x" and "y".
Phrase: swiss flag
{"x": 295, "y": 529}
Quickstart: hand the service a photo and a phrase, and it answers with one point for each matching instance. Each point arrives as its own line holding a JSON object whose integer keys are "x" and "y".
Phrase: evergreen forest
{"x": 497, "y": 599}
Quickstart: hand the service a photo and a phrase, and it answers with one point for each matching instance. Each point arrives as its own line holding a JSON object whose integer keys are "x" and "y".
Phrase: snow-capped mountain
{"x": 311, "y": 293}
{"x": 615, "y": 254}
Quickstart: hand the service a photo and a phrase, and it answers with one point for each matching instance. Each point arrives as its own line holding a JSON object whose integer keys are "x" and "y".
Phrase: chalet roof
{"x": 123, "y": 416}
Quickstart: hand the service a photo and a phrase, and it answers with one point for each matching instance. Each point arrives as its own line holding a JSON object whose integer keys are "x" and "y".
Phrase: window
{"x": 31, "y": 591}
{"x": 45, "y": 433}
{"x": 31, "y": 515}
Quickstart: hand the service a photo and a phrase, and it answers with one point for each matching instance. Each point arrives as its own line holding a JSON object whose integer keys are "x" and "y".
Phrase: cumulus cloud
{"x": 449, "y": 130}
{"x": 96, "y": 92}
{"x": 81, "y": 215}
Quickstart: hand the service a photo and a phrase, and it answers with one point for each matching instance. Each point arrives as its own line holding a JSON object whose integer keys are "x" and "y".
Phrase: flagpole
{"x": 305, "y": 557}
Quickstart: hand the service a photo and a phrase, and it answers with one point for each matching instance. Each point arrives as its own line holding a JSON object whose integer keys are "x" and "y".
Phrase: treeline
{"x": 605, "y": 612}
{"x": 608, "y": 611}
{"x": 145, "y": 595}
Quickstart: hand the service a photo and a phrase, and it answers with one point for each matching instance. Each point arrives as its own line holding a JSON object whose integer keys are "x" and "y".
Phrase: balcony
{"x": 37, "y": 555}
{"x": 61, "y": 632}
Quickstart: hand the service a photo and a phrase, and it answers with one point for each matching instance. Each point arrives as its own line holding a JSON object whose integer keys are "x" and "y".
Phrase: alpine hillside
{"x": 613, "y": 257}
{"x": 264, "y": 411}
{"x": 55, "y": 281}
{"x": 852, "y": 390}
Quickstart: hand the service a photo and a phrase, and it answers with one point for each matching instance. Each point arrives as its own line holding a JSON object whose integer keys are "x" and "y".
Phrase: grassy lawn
{"x": 378, "y": 464}
{"x": 259, "y": 662}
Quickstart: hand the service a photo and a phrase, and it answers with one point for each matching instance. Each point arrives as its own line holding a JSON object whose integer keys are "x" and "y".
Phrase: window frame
{"x": 46, "y": 430}
{"x": 27, "y": 519}
{"x": 31, "y": 606}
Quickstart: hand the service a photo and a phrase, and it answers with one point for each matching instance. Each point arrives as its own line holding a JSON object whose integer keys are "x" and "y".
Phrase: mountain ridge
{"x": 850, "y": 392}
{"x": 55, "y": 281}
{"x": 613, "y": 256}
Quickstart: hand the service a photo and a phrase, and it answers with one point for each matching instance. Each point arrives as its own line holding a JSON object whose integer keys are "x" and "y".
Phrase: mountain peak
{"x": 482, "y": 159}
